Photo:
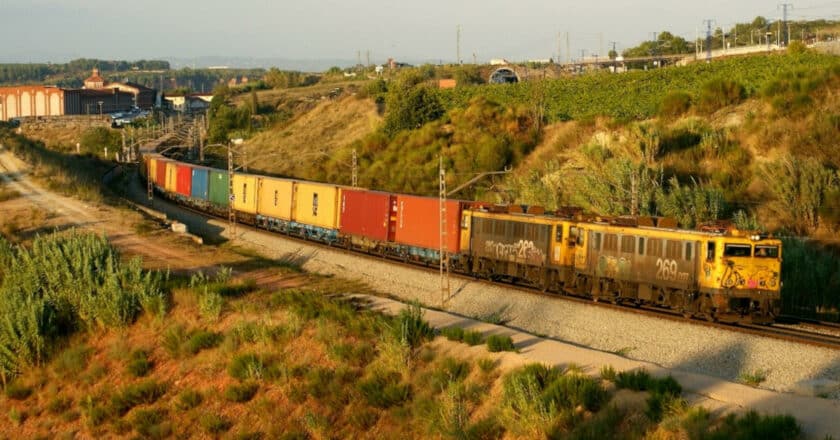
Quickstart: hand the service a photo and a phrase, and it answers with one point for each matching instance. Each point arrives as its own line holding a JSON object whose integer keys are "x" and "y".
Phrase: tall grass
{"x": 63, "y": 284}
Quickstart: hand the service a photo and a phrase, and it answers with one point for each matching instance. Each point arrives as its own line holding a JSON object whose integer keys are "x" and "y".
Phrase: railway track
{"x": 826, "y": 335}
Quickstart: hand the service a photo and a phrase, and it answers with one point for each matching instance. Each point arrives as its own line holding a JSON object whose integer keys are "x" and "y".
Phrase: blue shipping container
{"x": 200, "y": 184}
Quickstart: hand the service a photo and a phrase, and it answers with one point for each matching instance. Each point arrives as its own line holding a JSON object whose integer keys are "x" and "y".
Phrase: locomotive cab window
{"x": 558, "y": 233}
{"x": 688, "y": 251}
{"x": 737, "y": 250}
{"x": 641, "y": 245}
{"x": 465, "y": 222}
{"x": 596, "y": 240}
{"x": 710, "y": 251}
{"x": 764, "y": 251}
{"x": 575, "y": 236}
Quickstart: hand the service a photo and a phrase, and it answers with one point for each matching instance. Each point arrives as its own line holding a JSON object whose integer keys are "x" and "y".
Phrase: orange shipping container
{"x": 418, "y": 222}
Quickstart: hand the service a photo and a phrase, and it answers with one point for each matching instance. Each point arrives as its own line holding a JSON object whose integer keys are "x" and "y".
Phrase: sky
{"x": 413, "y": 31}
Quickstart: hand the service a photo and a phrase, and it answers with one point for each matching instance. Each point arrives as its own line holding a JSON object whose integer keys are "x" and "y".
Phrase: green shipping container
{"x": 219, "y": 188}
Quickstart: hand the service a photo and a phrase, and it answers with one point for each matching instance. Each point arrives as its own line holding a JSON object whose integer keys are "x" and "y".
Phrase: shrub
{"x": 410, "y": 327}
{"x": 173, "y": 340}
{"x": 448, "y": 371}
{"x": 59, "y": 404}
{"x": 719, "y": 93}
{"x": 202, "y": 340}
{"x": 497, "y": 343}
{"x": 73, "y": 360}
{"x": 384, "y": 390}
{"x": 675, "y": 104}
{"x": 189, "y": 399}
{"x": 18, "y": 391}
{"x": 16, "y": 416}
{"x": 94, "y": 413}
{"x": 138, "y": 363}
{"x": 453, "y": 333}
{"x": 472, "y": 338}
{"x": 215, "y": 424}
{"x": 486, "y": 365}
{"x": 210, "y": 304}
{"x": 752, "y": 425}
{"x": 151, "y": 423}
{"x": 572, "y": 390}
{"x": 753, "y": 378}
{"x": 608, "y": 373}
{"x": 241, "y": 392}
{"x": 247, "y": 366}
{"x": 133, "y": 395}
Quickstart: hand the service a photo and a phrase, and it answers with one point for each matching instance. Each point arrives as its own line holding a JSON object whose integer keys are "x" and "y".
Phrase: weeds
{"x": 453, "y": 333}
{"x": 240, "y": 393}
{"x": 473, "y": 338}
{"x": 151, "y": 423}
{"x": 73, "y": 360}
{"x": 94, "y": 413}
{"x": 248, "y": 366}
{"x": 189, "y": 399}
{"x": 202, "y": 340}
{"x": 18, "y": 391}
{"x": 410, "y": 327}
{"x": 384, "y": 390}
{"x": 497, "y": 343}
{"x": 59, "y": 405}
{"x": 486, "y": 365}
{"x": 608, "y": 373}
{"x": 753, "y": 378}
{"x": 136, "y": 394}
{"x": 215, "y": 424}
{"x": 139, "y": 364}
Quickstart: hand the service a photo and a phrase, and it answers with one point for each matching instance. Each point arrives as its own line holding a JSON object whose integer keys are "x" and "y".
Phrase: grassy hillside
{"x": 216, "y": 357}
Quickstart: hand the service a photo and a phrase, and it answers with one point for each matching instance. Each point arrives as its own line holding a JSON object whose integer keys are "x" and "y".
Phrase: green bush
{"x": 719, "y": 93}
{"x": 752, "y": 426}
{"x": 58, "y": 405}
{"x": 247, "y": 366}
{"x": 95, "y": 139}
{"x": 472, "y": 337}
{"x": 571, "y": 390}
{"x": 137, "y": 394}
{"x": 73, "y": 360}
{"x": 241, "y": 392}
{"x": 497, "y": 343}
{"x": 384, "y": 390}
{"x": 139, "y": 364}
{"x": 202, "y": 340}
{"x": 215, "y": 424}
{"x": 151, "y": 423}
{"x": 453, "y": 333}
{"x": 410, "y": 327}
{"x": 675, "y": 103}
{"x": 18, "y": 391}
{"x": 189, "y": 399}
{"x": 449, "y": 371}
{"x": 64, "y": 283}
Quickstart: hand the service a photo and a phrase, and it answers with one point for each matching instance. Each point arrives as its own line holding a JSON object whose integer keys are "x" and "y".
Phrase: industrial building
{"x": 96, "y": 97}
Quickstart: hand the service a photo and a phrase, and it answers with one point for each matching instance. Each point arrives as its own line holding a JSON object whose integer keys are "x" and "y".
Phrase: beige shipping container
{"x": 171, "y": 177}
{"x": 245, "y": 193}
{"x": 316, "y": 204}
{"x": 275, "y": 197}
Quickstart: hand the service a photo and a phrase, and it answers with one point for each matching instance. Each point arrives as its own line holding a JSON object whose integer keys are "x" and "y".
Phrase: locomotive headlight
{"x": 755, "y": 237}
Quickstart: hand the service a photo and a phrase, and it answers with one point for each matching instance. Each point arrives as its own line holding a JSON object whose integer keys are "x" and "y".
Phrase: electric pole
{"x": 458, "y": 44}
{"x": 444, "y": 255}
{"x": 785, "y": 6}
{"x": 708, "y": 23}
{"x": 568, "y": 52}
{"x": 355, "y": 176}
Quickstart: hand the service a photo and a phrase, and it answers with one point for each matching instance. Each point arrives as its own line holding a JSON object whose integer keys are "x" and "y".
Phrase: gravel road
{"x": 684, "y": 346}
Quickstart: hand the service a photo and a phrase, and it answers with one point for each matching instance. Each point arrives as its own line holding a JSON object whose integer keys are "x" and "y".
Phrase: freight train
{"x": 717, "y": 273}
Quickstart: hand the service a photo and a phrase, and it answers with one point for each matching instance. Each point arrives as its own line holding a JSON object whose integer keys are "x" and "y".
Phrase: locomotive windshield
{"x": 737, "y": 250}
{"x": 764, "y": 251}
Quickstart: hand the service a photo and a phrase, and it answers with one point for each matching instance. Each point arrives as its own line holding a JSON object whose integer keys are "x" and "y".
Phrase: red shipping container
{"x": 184, "y": 182}
{"x": 160, "y": 171}
{"x": 366, "y": 214}
{"x": 418, "y": 222}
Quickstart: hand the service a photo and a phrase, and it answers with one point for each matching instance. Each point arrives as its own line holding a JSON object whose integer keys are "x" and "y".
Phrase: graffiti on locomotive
{"x": 522, "y": 250}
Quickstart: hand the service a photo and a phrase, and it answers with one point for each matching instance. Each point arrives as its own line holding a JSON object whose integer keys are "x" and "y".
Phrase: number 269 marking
{"x": 666, "y": 269}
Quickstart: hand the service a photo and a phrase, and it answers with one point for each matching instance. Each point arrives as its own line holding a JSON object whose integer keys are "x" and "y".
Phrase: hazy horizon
{"x": 323, "y": 32}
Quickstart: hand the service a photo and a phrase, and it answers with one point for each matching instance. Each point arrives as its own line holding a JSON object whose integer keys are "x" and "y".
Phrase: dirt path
{"x": 159, "y": 249}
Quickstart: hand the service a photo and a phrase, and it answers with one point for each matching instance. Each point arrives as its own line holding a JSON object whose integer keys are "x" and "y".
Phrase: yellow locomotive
{"x": 718, "y": 274}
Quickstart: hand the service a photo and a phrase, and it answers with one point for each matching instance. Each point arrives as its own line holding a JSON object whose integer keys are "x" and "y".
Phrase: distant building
{"x": 197, "y": 102}
{"x": 499, "y": 62}
{"x": 97, "y": 96}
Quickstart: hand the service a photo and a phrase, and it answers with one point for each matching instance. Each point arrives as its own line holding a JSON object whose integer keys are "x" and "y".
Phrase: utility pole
{"x": 568, "y": 51}
{"x": 785, "y": 6}
{"x": 358, "y": 58}
{"x": 231, "y": 195}
{"x": 708, "y": 23}
{"x": 559, "y": 43}
{"x": 355, "y": 177}
{"x": 444, "y": 255}
{"x": 458, "y": 44}
{"x": 367, "y": 58}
